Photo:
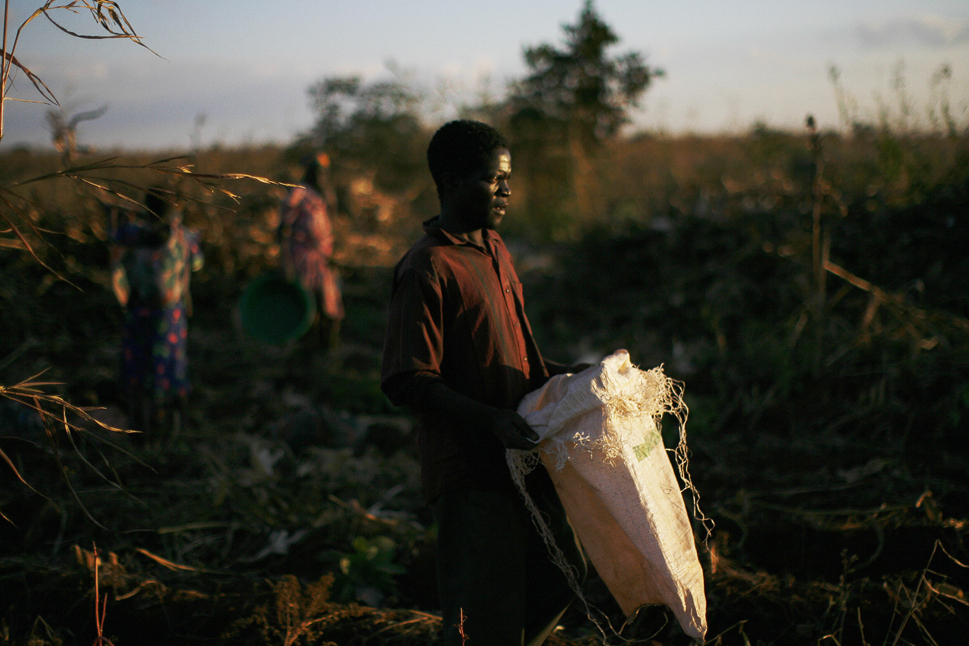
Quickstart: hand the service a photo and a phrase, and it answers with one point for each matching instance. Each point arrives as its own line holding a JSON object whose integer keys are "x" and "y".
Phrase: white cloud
{"x": 927, "y": 31}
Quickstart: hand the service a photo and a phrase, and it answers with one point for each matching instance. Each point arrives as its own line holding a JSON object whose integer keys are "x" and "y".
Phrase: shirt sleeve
{"x": 414, "y": 342}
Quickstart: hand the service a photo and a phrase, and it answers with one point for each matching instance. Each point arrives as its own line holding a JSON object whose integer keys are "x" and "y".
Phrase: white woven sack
{"x": 605, "y": 455}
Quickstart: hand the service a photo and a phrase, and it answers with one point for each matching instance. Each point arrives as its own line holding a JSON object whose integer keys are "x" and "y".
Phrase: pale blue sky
{"x": 246, "y": 65}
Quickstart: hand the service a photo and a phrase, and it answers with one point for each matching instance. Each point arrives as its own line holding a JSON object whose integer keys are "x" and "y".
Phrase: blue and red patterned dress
{"x": 151, "y": 278}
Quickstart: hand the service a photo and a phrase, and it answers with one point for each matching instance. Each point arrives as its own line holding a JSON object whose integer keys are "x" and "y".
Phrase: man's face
{"x": 481, "y": 196}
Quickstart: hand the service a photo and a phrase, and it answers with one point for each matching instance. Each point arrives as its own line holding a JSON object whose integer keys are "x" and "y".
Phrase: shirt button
{"x": 525, "y": 359}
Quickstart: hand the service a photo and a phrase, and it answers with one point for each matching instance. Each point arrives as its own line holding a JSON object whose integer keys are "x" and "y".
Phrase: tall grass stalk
{"x": 16, "y": 224}
{"x": 106, "y": 13}
{"x": 100, "y": 607}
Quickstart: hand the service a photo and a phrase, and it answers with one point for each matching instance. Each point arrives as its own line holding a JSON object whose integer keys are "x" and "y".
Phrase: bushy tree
{"x": 579, "y": 91}
{"x": 370, "y": 127}
{"x": 574, "y": 99}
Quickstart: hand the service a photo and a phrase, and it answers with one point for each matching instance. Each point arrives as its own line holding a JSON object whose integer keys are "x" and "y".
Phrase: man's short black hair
{"x": 461, "y": 147}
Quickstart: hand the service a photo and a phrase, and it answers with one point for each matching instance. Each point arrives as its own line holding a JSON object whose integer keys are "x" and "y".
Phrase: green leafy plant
{"x": 367, "y": 573}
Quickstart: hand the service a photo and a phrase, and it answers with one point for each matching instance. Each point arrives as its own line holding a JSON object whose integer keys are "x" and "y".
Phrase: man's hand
{"x": 513, "y": 431}
{"x": 507, "y": 425}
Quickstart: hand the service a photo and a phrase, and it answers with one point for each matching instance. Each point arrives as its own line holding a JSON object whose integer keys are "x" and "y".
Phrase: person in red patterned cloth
{"x": 153, "y": 256}
{"x": 305, "y": 236}
{"x": 460, "y": 353}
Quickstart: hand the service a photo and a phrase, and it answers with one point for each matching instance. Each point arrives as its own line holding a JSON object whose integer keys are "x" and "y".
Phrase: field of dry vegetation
{"x": 819, "y": 322}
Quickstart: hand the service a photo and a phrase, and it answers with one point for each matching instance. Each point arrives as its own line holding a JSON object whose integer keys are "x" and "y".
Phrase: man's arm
{"x": 411, "y": 366}
{"x": 507, "y": 425}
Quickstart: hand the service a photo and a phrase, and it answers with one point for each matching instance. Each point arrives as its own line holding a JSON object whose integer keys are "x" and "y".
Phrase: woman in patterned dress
{"x": 153, "y": 256}
{"x": 305, "y": 236}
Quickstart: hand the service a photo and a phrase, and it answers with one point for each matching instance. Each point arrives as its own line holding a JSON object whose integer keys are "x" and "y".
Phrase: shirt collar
{"x": 431, "y": 228}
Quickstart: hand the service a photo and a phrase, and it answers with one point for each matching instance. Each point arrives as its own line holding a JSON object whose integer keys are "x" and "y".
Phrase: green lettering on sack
{"x": 641, "y": 451}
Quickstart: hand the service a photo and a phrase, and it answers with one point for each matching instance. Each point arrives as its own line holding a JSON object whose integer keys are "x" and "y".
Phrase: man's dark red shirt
{"x": 457, "y": 315}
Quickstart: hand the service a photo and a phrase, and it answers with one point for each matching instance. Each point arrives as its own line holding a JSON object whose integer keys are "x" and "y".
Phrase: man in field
{"x": 459, "y": 352}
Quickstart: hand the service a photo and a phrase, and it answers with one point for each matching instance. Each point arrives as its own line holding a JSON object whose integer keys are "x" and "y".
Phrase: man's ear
{"x": 450, "y": 179}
